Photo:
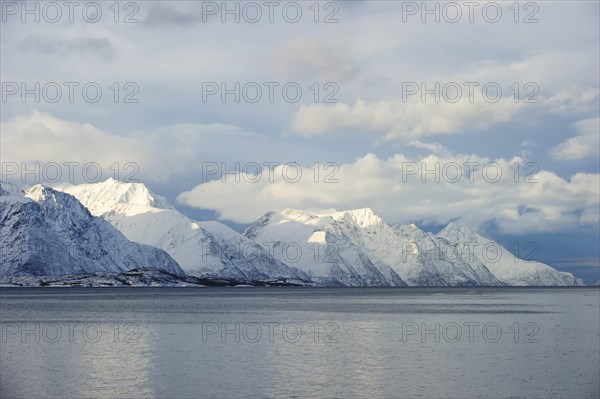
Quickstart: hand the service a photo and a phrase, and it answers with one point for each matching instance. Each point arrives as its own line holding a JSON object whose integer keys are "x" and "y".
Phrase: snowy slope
{"x": 365, "y": 249}
{"x": 49, "y": 233}
{"x": 318, "y": 245}
{"x": 353, "y": 248}
{"x": 419, "y": 258}
{"x": 428, "y": 257}
{"x": 384, "y": 246}
{"x": 9, "y": 189}
{"x": 501, "y": 262}
{"x": 200, "y": 248}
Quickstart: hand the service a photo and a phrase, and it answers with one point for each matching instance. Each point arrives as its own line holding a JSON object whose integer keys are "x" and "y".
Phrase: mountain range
{"x": 45, "y": 232}
{"x": 203, "y": 249}
{"x": 114, "y": 227}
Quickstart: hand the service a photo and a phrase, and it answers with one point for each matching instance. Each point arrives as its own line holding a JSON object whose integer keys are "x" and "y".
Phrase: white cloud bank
{"x": 585, "y": 144}
{"x": 484, "y": 94}
{"x": 40, "y": 138}
{"x": 399, "y": 193}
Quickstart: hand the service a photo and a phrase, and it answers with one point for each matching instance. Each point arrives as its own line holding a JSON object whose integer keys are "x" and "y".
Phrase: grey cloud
{"x": 314, "y": 59}
{"x": 168, "y": 16}
{"x": 102, "y": 48}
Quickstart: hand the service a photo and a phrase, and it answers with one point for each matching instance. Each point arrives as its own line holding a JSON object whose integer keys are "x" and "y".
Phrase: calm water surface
{"x": 299, "y": 342}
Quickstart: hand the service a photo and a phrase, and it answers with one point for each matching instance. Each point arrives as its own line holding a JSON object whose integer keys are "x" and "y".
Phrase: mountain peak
{"x": 112, "y": 195}
{"x": 60, "y": 204}
{"x": 363, "y": 217}
{"x": 361, "y": 212}
{"x": 40, "y": 193}
{"x": 458, "y": 233}
{"x": 409, "y": 230}
{"x": 36, "y": 192}
{"x": 48, "y": 220}
{"x": 291, "y": 214}
{"x": 7, "y": 188}
{"x": 132, "y": 193}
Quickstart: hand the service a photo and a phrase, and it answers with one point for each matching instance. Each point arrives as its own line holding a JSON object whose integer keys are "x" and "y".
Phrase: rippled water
{"x": 300, "y": 342}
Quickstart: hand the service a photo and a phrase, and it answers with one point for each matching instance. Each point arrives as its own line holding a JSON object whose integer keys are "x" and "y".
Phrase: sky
{"x": 481, "y": 113}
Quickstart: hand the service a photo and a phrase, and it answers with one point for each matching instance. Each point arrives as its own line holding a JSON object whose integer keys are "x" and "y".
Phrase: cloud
{"x": 574, "y": 99}
{"x": 434, "y": 148}
{"x": 370, "y": 52}
{"x": 585, "y": 144}
{"x": 102, "y": 48}
{"x": 405, "y": 112}
{"x": 160, "y": 16}
{"x": 403, "y": 120}
{"x": 525, "y": 148}
{"x": 158, "y": 153}
{"x": 42, "y": 138}
{"x": 433, "y": 193}
{"x": 314, "y": 58}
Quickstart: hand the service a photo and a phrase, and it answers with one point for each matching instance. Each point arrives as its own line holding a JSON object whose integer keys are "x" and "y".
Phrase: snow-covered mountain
{"x": 49, "y": 233}
{"x": 509, "y": 269}
{"x": 419, "y": 258}
{"x": 319, "y": 245}
{"x": 365, "y": 248}
{"x": 7, "y": 188}
{"x": 201, "y": 248}
{"x": 431, "y": 260}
